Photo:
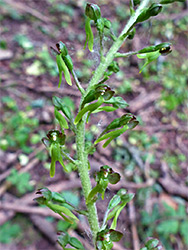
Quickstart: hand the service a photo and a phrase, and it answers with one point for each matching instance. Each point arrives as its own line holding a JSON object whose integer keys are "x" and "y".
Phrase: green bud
{"x": 56, "y": 136}
{"x": 143, "y": 16}
{"x": 100, "y": 25}
{"x": 155, "y": 9}
{"x": 160, "y": 47}
{"x": 107, "y": 23}
{"x": 113, "y": 67}
{"x": 93, "y": 11}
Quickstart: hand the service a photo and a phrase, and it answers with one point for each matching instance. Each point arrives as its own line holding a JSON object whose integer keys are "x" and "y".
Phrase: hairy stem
{"x": 85, "y": 178}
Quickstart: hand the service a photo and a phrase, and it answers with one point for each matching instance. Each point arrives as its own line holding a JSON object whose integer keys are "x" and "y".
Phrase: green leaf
{"x": 89, "y": 35}
{"x": 63, "y": 211}
{"x": 60, "y": 105}
{"x": 74, "y": 242}
{"x": 90, "y": 108}
{"x": 112, "y": 134}
{"x": 63, "y": 239}
{"x": 117, "y": 102}
{"x": 116, "y": 199}
{"x": 92, "y": 194}
{"x": 168, "y": 227}
{"x": 63, "y": 68}
{"x": 119, "y": 122}
{"x": 105, "y": 108}
{"x": 61, "y": 119}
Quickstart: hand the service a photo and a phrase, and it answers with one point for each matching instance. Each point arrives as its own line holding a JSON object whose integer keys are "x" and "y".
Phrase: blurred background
{"x": 152, "y": 159}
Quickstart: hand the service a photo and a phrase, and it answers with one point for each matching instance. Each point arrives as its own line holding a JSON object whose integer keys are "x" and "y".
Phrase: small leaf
{"x": 63, "y": 239}
{"x": 105, "y": 108}
{"x": 93, "y": 193}
{"x": 74, "y": 242}
{"x": 117, "y": 102}
{"x": 60, "y": 209}
{"x": 63, "y": 68}
{"x": 114, "y": 202}
{"x": 112, "y": 134}
{"x": 58, "y": 197}
{"x": 118, "y": 122}
{"x": 89, "y": 108}
{"x": 61, "y": 119}
{"x": 58, "y": 103}
{"x": 68, "y": 61}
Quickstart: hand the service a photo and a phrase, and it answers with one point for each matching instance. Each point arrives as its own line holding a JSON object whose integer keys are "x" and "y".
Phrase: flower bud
{"x": 62, "y": 48}
{"x": 154, "y": 9}
{"x": 92, "y": 11}
{"x": 107, "y": 23}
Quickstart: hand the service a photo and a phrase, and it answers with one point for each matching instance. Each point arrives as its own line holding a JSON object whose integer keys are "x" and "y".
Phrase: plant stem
{"x": 69, "y": 158}
{"x": 80, "y": 130}
{"x": 77, "y": 82}
{"x": 85, "y": 178}
{"x": 130, "y": 53}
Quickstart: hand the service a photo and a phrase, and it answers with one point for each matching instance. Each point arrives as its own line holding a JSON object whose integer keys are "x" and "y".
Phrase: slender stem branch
{"x": 105, "y": 218}
{"x": 68, "y": 157}
{"x": 130, "y": 53}
{"x": 77, "y": 82}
